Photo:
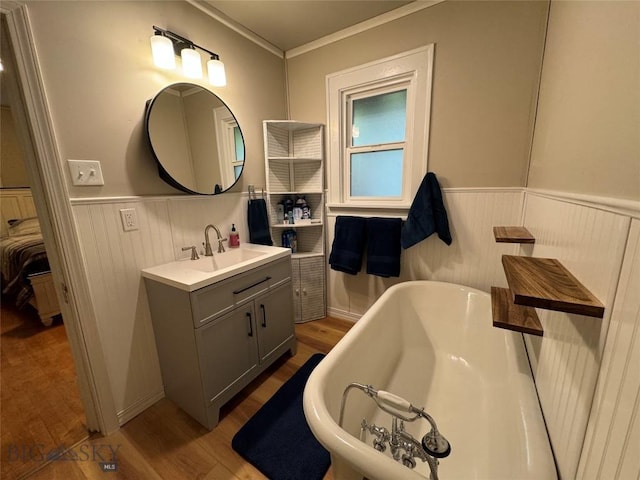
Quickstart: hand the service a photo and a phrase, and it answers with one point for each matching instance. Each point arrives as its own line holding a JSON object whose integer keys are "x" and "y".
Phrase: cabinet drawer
{"x": 211, "y": 302}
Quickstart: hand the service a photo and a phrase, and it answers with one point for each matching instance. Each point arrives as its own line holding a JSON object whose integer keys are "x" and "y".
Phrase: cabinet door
{"x": 274, "y": 320}
{"x": 312, "y": 288}
{"x": 295, "y": 280}
{"x": 227, "y": 349}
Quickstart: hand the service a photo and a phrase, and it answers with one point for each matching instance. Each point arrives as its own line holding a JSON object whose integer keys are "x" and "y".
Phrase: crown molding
{"x": 374, "y": 22}
{"x": 235, "y": 26}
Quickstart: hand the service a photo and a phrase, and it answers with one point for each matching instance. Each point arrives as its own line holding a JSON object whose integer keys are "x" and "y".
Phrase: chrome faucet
{"x": 404, "y": 447}
{"x": 207, "y": 245}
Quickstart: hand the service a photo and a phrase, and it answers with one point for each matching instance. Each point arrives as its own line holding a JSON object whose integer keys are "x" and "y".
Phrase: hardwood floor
{"x": 39, "y": 400}
{"x": 163, "y": 442}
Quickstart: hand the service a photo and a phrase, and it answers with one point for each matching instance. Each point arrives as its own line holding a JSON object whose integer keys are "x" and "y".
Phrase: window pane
{"x": 237, "y": 170}
{"x": 379, "y": 119}
{"x": 376, "y": 174}
{"x": 237, "y": 137}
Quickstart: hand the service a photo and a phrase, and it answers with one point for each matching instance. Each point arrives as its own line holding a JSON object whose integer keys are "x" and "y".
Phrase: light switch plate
{"x": 129, "y": 219}
{"x": 85, "y": 172}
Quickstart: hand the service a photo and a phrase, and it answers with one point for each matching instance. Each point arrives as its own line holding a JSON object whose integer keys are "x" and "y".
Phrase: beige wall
{"x": 170, "y": 142}
{"x": 486, "y": 72}
{"x": 12, "y": 171}
{"x": 587, "y": 136}
{"x": 202, "y": 137}
{"x": 98, "y": 74}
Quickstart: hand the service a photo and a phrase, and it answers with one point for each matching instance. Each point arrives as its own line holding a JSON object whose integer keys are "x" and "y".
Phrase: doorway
{"x": 41, "y": 410}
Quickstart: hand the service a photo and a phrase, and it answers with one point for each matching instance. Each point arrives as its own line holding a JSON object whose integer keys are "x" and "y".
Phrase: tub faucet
{"x": 207, "y": 244}
{"x": 404, "y": 448}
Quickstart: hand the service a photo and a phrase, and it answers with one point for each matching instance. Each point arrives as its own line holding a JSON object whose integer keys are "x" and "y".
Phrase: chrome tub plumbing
{"x": 403, "y": 446}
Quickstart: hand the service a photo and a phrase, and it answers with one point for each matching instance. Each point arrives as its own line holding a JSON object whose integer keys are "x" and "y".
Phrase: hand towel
{"x": 258, "y": 222}
{"x": 427, "y": 214}
{"x": 383, "y": 246}
{"x": 348, "y": 244}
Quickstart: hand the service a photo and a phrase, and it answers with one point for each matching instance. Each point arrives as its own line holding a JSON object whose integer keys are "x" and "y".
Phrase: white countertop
{"x": 191, "y": 275}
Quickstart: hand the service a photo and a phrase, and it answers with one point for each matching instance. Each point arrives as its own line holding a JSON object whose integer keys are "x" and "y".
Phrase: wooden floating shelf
{"x": 514, "y": 317}
{"x": 513, "y": 235}
{"x": 546, "y": 283}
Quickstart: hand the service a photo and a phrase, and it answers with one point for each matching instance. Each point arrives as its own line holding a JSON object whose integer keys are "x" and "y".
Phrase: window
{"x": 378, "y": 117}
{"x": 238, "y": 160}
{"x": 230, "y": 146}
{"x": 375, "y": 150}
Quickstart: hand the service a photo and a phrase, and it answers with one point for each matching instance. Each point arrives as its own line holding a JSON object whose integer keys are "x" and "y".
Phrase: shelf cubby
{"x": 294, "y": 165}
{"x": 314, "y": 200}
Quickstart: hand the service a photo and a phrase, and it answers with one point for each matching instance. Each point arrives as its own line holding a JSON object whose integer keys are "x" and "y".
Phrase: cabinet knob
{"x": 298, "y": 292}
{"x": 304, "y": 291}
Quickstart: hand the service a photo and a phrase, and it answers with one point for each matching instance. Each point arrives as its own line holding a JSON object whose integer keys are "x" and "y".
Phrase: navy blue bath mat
{"x": 278, "y": 441}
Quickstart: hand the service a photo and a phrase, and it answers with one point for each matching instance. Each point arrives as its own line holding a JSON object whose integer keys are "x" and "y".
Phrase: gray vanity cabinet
{"x": 212, "y": 342}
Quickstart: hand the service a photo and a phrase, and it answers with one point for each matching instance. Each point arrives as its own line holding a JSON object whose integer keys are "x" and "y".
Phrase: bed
{"x": 26, "y": 277}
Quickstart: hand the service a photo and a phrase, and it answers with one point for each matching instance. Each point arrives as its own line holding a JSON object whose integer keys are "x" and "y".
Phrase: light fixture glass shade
{"x": 191, "y": 63}
{"x": 217, "y": 76}
{"x": 162, "y": 51}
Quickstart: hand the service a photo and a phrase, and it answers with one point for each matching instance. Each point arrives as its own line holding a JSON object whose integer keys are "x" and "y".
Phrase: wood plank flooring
{"x": 39, "y": 398}
{"x": 163, "y": 442}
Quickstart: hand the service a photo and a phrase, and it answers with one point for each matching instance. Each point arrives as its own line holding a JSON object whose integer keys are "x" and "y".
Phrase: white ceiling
{"x": 291, "y": 23}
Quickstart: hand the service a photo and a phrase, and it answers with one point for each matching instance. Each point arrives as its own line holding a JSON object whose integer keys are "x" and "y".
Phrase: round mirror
{"x": 195, "y": 139}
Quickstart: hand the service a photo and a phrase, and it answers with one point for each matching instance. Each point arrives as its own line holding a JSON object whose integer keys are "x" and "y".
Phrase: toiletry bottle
{"x": 234, "y": 237}
{"x": 280, "y": 212}
{"x": 293, "y": 241}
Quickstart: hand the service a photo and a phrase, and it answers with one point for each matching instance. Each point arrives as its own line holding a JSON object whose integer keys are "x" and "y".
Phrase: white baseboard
{"x": 138, "y": 407}
{"x": 342, "y": 314}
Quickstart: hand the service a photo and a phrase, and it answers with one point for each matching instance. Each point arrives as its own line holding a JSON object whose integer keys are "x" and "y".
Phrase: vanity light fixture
{"x": 191, "y": 63}
{"x": 162, "y": 51}
{"x": 165, "y": 45}
{"x": 215, "y": 70}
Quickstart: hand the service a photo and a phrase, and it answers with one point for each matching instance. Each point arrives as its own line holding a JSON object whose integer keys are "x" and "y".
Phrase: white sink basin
{"x": 224, "y": 260}
{"x": 191, "y": 275}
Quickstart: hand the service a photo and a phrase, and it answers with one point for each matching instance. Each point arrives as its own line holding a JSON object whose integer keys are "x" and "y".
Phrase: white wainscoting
{"x": 590, "y": 242}
{"x": 473, "y": 259}
{"x": 589, "y": 239}
{"x": 113, "y": 260}
{"x": 612, "y": 446}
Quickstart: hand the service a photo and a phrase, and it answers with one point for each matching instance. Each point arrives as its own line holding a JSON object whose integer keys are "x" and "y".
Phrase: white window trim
{"x": 224, "y": 123}
{"x": 406, "y": 82}
{"x": 415, "y": 66}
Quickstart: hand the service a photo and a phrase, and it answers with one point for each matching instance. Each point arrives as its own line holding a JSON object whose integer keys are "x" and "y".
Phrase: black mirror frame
{"x": 162, "y": 172}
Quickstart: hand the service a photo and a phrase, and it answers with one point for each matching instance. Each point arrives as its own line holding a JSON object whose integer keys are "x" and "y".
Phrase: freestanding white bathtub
{"x": 433, "y": 344}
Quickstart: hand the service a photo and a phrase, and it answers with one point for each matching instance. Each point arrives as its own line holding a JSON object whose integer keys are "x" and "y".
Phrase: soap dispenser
{"x": 234, "y": 237}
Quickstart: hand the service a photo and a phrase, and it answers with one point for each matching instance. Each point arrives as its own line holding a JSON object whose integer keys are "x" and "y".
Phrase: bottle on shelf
{"x": 288, "y": 208}
{"x": 234, "y": 237}
{"x": 280, "y": 212}
{"x": 290, "y": 240}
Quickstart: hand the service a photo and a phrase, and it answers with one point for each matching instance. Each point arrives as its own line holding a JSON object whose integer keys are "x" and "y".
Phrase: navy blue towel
{"x": 258, "y": 222}
{"x": 348, "y": 244}
{"x": 383, "y": 246}
{"x": 427, "y": 214}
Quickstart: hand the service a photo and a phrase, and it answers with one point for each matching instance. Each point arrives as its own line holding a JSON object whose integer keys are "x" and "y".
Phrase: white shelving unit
{"x": 294, "y": 165}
